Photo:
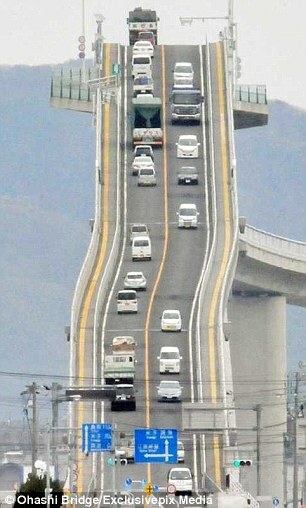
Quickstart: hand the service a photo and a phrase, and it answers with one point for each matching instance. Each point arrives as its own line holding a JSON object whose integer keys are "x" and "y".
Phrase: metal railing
{"x": 237, "y": 489}
{"x": 255, "y": 94}
{"x": 72, "y": 84}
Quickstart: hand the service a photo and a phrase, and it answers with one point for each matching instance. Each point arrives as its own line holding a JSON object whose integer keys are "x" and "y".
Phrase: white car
{"x": 135, "y": 280}
{"x": 144, "y": 150}
{"x": 143, "y": 48}
{"x": 188, "y": 216}
{"x": 141, "y": 161}
{"x": 138, "y": 230}
{"x": 169, "y": 360}
{"x": 146, "y": 177}
{"x": 187, "y": 146}
{"x": 168, "y": 391}
{"x": 181, "y": 478}
{"x": 183, "y": 71}
{"x": 127, "y": 301}
{"x": 171, "y": 321}
{"x": 180, "y": 451}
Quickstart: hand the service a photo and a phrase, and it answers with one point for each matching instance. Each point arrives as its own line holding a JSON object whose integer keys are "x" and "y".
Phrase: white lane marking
{"x": 124, "y": 228}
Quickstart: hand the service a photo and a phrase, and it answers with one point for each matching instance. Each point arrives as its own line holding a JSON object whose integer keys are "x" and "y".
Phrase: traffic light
{"x": 242, "y": 462}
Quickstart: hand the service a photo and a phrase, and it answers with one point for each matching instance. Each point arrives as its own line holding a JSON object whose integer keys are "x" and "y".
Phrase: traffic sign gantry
{"x": 96, "y": 437}
{"x": 156, "y": 446}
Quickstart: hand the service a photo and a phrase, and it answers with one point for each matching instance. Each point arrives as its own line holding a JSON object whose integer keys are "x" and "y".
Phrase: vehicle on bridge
{"x": 124, "y": 398}
{"x": 146, "y": 177}
{"x": 186, "y": 105}
{"x": 169, "y": 360}
{"x": 171, "y": 321}
{"x": 147, "y": 36}
{"x": 127, "y": 301}
{"x": 188, "y": 175}
{"x": 188, "y": 146}
{"x": 141, "y": 65}
{"x": 141, "y": 248}
{"x": 138, "y": 230}
{"x": 146, "y": 120}
{"x": 144, "y": 150}
{"x": 143, "y": 48}
{"x": 125, "y": 449}
{"x": 141, "y": 20}
{"x": 119, "y": 368}
{"x": 135, "y": 280}
{"x": 187, "y": 216}
{"x": 169, "y": 391}
{"x": 142, "y": 85}
{"x": 183, "y": 73}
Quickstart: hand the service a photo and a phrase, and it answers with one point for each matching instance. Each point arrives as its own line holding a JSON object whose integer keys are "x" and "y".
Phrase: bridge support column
{"x": 258, "y": 355}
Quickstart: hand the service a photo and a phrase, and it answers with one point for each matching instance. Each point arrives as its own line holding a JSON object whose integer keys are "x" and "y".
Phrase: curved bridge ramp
{"x": 271, "y": 265}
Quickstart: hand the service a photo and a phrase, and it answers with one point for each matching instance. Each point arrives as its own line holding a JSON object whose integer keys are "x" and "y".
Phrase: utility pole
{"x": 33, "y": 389}
{"x": 258, "y": 409}
{"x": 295, "y": 447}
{"x": 55, "y": 402}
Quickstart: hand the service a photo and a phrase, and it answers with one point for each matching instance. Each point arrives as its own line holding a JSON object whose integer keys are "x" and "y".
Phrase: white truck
{"x": 141, "y": 20}
{"x": 119, "y": 367}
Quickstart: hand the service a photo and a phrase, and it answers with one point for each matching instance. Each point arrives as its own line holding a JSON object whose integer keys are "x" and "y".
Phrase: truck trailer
{"x": 146, "y": 120}
{"x": 141, "y": 20}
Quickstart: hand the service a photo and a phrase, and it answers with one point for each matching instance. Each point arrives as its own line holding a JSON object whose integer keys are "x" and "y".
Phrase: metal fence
{"x": 72, "y": 84}
{"x": 255, "y": 94}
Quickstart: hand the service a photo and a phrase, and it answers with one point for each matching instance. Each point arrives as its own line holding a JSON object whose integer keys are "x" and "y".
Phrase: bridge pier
{"x": 258, "y": 356}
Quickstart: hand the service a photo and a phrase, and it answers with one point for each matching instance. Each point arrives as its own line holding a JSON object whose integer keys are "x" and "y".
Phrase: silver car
{"x": 168, "y": 391}
{"x": 146, "y": 177}
{"x": 135, "y": 280}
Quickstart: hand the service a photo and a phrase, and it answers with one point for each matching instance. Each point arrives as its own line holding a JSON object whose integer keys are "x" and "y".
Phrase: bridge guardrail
{"x": 254, "y": 94}
{"x": 291, "y": 253}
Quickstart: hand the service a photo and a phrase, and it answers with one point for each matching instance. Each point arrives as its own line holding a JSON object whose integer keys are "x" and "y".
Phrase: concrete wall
{"x": 258, "y": 352}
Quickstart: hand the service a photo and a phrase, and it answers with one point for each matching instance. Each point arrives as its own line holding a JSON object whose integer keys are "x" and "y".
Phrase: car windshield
{"x": 169, "y": 384}
{"x": 135, "y": 276}
{"x": 129, "y": 390}
{"x": 180, "y": 446}
{"x": 188, "y": 171}
{"x": 184, "y": 69}
{"x": 188, "y": 211}
{"x": 147, "y": 172}
{"x": 188, "y": 142}
{"x": 127, "y": 296}
{"x": 171, "y": 315}
{"x": 144, "y": 60}
{"x": 144, "y": 151}
{"x": 139, "y": 229}
{"x": 180, "y": 474}
{"x": 141, "y": 243}
{"x": 170, "y": 356}
{"x": 186, "y": 98}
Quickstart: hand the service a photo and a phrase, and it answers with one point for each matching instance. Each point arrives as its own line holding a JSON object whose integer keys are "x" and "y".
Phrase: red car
{"x": 147, "y": 36}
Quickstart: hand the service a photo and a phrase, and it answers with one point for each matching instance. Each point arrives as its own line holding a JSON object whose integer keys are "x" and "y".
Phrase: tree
{"x": 34, "y": 489}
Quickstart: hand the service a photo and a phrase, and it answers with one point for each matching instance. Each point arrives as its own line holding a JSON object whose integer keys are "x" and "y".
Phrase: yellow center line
{"x": 163, "y": 259}
{"x": 213, "y": 315}
{"x": 97, "y": 271}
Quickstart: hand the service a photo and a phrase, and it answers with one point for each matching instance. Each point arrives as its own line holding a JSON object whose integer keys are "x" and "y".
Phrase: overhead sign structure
{"x": 156, "y": 446}
{"x": 96, "y": 437}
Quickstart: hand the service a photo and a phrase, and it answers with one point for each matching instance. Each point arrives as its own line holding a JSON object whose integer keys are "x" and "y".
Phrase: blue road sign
{"x": 96, "y": 437}
{"x": 156, "y": 445}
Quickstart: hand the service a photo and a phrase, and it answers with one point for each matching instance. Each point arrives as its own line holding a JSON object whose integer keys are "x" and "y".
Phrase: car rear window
{"x": 141, "y": 60}
{"x": 147, "y": 172}
{"x": 141, "y": 243}
{"x": 131, "y": 295}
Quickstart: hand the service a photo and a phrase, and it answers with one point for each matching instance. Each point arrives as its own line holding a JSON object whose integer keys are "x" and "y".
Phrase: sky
{"x": 271, "y": 34}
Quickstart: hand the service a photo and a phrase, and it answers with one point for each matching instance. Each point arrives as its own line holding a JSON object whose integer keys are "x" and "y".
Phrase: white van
{"x": 141, "y": 65}
{"x": 169, "y": 360}
{"x": 181, "y": 478}
{"x": 141, "y": 248}
{"x": 127, "y": 301}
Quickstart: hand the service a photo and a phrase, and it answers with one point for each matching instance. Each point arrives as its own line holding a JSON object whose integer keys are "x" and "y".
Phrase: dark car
{"x": 188, "y": 175}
